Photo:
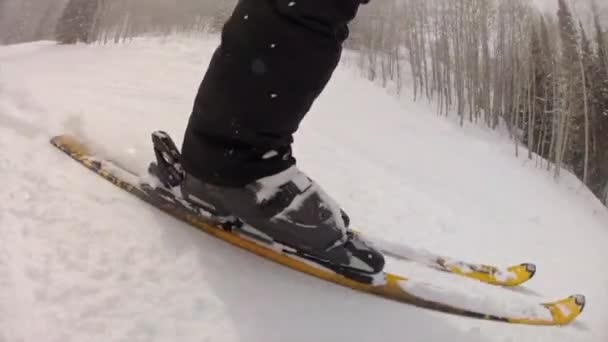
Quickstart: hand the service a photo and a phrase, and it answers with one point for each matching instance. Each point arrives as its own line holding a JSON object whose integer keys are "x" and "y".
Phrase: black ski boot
{"x": 288, "y": 207}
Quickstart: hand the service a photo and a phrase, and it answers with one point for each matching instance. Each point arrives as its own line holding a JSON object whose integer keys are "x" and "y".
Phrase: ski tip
{"x": 567, "y": 310}
{"x": 580, "y": 300}
{"x": 60, "y": 139}
{"x": 526, "y": 270}
{"x": 518, "y": 275}
{"x": 69, "y": 144}
{"x": 530, "y": 268}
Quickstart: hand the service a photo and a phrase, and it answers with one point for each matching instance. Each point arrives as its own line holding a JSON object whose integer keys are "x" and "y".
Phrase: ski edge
{"x": 393, "y": 287}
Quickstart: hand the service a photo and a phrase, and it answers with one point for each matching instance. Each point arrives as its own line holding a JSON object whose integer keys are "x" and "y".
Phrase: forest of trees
{"x": 500, "y": 63}
{"x": 106, "y": 20}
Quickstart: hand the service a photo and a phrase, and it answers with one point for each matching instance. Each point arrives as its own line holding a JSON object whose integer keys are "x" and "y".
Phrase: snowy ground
{"x": 82, "y": 261}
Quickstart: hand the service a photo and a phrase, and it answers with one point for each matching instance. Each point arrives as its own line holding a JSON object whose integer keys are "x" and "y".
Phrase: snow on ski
{"x": 389, "y": 286}
{"x": 511, "y": 276}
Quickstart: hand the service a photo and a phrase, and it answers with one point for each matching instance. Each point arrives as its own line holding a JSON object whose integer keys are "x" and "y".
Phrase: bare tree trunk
{"x": 555, "y": 122}
{"x": 532, "y": 111}
{"x": 563, "y": 129}
{"x": 586, "y": 111}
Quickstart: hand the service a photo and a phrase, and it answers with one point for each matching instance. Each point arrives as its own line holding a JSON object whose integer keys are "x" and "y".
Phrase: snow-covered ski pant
{"x": 274, "y": 60}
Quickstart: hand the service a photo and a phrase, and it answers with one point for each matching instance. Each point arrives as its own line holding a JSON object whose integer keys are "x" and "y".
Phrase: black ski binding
{"x": 168, "y": 168}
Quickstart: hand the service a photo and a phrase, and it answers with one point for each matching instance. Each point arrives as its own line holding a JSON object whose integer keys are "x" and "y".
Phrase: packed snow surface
{"x": 81, "y": 260}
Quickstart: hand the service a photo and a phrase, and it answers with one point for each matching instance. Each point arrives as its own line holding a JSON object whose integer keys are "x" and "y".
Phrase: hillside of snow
{"x": 81, "y": 260}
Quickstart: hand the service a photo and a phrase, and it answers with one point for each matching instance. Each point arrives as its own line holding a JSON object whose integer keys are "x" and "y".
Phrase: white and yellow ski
{"x": 386, "y": 285}
{"x": 510, "y": 276}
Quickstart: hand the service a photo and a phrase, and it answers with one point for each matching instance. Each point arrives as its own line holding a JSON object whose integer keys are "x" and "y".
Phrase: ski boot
{"x": 288, "y": 207}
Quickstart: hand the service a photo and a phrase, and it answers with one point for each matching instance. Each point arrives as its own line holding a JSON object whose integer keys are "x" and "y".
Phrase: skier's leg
{"x": 275, "y": 58}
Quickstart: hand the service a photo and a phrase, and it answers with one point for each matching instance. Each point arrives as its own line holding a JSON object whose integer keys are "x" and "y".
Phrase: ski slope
{"x": 83, "y": 261}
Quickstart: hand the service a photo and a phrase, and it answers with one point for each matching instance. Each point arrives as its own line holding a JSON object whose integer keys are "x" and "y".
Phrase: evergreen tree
{"x": 601, "y": 42}
{"x": 2, "y": 13}
{"x": 571, "y": 132}
{"x": 535, "y": 127}
{"x": 76, "y": 23}
{"x": 600, "y": 103}
{"x": 547, "y": 66}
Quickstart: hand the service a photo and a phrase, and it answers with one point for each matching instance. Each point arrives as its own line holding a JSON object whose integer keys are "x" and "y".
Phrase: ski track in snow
{"x": 82, "y": 261}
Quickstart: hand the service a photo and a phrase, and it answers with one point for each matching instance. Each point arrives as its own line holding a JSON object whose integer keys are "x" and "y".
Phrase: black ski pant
{"x": 274, "y": 60}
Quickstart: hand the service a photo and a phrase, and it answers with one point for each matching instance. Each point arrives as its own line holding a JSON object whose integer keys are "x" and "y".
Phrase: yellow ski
{"x": 511, "y": 276}
{"x": 386, "y": 285}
